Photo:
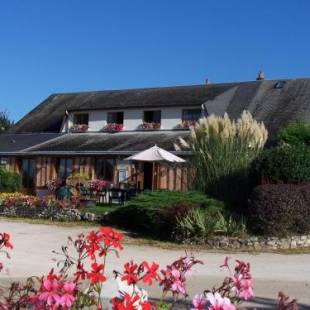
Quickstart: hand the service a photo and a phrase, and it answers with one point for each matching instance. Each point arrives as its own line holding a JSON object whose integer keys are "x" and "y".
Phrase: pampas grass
{"x": 223, "y": 148}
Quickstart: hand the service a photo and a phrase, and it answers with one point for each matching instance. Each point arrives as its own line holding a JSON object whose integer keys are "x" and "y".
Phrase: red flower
{"x": 96, "y": 275}
{"x": 81, "y": 273}
{"x": 6, "y": 240}
{"x": 130, "y": 303}
{"x": 111, "y": 237}
{"x": 151, "y": 273}
{"x": 93, "y": 245}
{"x": 130, "y": 274}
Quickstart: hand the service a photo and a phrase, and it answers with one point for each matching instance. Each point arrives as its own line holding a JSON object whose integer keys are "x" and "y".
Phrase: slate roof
{"x": 276, "y": 103}
{"x": 276, "y": 106}
{"x": 14, "y": 143}
{"x": 48, "y": 116}
{"x": 107, "y": 143}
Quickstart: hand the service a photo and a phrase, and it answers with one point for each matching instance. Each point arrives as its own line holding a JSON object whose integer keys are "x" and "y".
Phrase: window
{"x": 115, "y": 118}
{"x": 80, "y": 119}
{"x": 152, "y": 116}
{"x": 191, "y": 115}
{"x": 104, "y": 169}
{"x": 28, "y": 171}
{"x": 64, "y": 167}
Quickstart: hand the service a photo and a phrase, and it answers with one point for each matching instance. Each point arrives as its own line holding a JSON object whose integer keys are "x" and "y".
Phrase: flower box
{"x": 188, "y": 124}
{"x": 150, "y": 126}
{"x": 113, "y": 127}
{"x": 79, "y": 128}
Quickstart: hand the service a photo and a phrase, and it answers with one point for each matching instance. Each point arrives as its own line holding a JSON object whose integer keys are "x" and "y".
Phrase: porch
{"x": 37, "y": 171}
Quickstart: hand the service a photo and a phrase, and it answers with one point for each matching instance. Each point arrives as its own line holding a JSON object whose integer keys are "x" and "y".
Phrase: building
{"x": 92, "y": 132}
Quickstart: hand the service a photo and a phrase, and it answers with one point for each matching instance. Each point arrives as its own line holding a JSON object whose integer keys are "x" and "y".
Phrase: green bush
{"x": 9, "y": 182}
{"x": 295, "y": 133}
{"x": 284, "y": 164}
{"x": 155, "y": 213}
{"x": 280, "y": 209}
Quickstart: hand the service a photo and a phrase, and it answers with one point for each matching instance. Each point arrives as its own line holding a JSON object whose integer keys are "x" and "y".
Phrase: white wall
{"x": 170, "y": 118}
{"x": 97, "y": 120}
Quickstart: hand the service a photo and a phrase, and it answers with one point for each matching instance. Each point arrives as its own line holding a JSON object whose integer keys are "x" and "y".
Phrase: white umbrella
{"x": 154, "y": 154}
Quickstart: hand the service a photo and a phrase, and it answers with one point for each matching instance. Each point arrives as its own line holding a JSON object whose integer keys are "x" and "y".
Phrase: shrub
{"x": 155, "y": 213}
{"x": 222, "y": 153}
{"x": 295, "y": 133}
{"x": 280, "y": 209}
{"x": 198, "y": 225}
{"x": 9, "y": 182}
{"x": 284, "y": 164}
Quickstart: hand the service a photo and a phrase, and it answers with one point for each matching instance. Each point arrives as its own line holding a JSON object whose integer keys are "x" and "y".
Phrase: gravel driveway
{"x": 33, "y": 245}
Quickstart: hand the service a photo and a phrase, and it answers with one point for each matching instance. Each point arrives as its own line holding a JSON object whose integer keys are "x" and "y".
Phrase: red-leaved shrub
{"x": 280, "y": 209}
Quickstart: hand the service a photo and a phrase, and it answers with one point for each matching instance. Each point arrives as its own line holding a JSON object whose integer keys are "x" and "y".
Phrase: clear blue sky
{"x": 74, "y": 45}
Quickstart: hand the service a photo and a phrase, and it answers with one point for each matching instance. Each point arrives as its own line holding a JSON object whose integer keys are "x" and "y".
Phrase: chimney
{"x": 261, "y": 76}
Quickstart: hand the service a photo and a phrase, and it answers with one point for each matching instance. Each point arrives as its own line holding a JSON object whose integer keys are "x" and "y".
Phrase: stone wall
{"x": 259, "y": 243}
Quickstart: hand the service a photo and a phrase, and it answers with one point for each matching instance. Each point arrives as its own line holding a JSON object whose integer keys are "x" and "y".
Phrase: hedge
{"x": 280, "y": 209}
{"x": 155, "y": 213}
{"x": 284, "y": 164}
{"x": 295, "y": 133}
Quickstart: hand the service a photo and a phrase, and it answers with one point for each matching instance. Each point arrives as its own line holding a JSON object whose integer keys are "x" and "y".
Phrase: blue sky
{"x": 74, "y": 45}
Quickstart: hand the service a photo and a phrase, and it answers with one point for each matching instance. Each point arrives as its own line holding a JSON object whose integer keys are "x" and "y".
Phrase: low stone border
{"x": 51, "y": 213}
{"x": 259, "y": 243}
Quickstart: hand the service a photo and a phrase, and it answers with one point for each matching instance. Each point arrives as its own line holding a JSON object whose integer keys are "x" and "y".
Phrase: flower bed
{"x": 77, "y": 281}
{"x": 20, "y": 205}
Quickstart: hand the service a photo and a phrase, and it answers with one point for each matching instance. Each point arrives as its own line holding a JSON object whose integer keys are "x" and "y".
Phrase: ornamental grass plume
{"x": 223, "y": 150}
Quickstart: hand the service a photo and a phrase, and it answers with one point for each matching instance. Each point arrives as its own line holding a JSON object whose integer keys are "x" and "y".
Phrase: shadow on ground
{"x": 257, "y": 303}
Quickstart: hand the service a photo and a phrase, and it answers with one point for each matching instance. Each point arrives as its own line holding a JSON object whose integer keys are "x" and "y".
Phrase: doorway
{"x": 148, "y": 175}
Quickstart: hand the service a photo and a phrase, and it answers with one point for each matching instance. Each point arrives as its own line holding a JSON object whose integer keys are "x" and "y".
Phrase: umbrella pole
{"x": 153, "y": 176}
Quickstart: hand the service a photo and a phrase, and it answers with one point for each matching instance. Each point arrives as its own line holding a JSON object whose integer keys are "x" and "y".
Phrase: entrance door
{"x": 28, "y": 171}
{"x": 148, "y": 175}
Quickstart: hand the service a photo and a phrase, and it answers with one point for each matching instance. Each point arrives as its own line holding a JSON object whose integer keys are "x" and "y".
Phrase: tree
{"x": 5, "y": 122}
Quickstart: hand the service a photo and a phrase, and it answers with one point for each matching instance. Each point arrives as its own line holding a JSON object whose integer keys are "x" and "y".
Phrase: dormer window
{"x": 152, "y": 117}
{"x": 80, "y": 122}
{"x": 115, "y": 118}
{"x": 115, "y": 122}
{"x": 80, "y": 119}
{"x": 151, "y": 120}
{"x": 190, "y": 117}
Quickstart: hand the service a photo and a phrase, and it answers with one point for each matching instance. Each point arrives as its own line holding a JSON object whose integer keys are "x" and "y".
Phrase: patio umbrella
{"x": 155, "y": 154}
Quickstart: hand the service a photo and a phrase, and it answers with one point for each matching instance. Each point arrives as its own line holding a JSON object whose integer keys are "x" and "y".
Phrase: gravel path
{"x": 33, "y": 245}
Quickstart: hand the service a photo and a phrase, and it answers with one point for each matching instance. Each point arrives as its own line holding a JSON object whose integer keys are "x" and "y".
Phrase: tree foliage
{"x": 295, "y": 133}
{"x": 5, "y": 122}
